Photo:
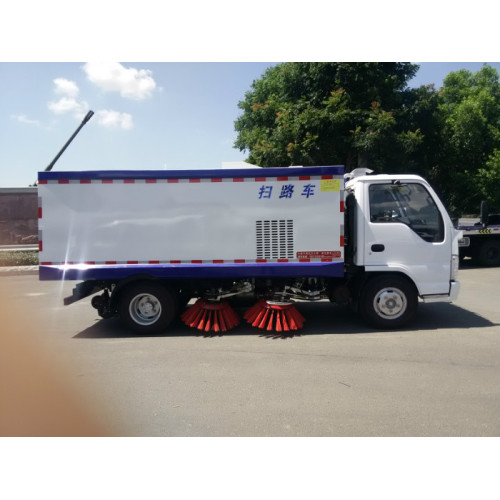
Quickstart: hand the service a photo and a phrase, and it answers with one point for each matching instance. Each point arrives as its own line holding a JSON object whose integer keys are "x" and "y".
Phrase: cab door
{"x": 405, "y": 232}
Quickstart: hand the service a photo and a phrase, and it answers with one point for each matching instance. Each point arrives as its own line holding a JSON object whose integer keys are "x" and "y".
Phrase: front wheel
{"x": 388, "y": 302}
{"x": 147, "y": 307}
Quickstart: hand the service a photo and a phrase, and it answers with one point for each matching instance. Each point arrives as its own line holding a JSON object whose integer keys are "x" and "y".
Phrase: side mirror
{"x": 484, "y": 214}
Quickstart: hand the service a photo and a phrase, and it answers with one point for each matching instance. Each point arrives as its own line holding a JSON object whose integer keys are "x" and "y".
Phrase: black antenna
{"x": 88, "y": 116}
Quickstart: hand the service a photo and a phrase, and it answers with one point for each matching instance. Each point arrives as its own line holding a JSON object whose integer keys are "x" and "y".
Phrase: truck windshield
{"x": 409, "y": 204}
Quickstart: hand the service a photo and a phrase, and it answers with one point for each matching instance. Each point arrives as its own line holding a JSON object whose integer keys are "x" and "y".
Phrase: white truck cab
{"x": 399, "y": 227}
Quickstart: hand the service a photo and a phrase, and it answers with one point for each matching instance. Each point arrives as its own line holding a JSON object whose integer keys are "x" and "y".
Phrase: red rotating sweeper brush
{"x": 210, "y": 316}
{"x": 277, "y": 316}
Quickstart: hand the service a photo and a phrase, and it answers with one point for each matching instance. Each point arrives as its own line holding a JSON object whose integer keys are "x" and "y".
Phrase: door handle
{"x": 378, "y": 247}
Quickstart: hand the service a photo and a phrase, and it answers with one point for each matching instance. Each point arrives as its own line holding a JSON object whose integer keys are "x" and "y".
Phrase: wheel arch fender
{"x": 362, "y": 280}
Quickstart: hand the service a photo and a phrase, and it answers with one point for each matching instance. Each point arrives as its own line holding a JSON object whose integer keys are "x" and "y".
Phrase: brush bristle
{"x": 271, "y": 316}
{"x": 206, "y": 316}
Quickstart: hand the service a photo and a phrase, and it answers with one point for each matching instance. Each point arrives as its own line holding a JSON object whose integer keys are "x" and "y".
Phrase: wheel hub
{"x": 390, "y": 303}
{"x": 145, "y": 309}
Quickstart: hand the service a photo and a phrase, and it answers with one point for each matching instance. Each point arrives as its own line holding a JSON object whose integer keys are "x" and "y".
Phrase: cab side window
{"x": 409, "y": 204}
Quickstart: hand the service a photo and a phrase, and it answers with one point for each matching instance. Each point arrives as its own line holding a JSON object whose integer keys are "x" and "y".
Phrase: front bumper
{"x": 450, "y": 297}
{"x": 454, "y": 290}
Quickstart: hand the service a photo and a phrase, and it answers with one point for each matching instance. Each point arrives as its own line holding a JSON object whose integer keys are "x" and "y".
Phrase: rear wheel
{"x": 388, "y": 302}
{"x": 489, "y": 253}
{"x": 147, "y": 307}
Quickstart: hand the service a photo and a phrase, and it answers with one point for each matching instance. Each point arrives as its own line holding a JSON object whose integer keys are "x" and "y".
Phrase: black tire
{"x": 147, "y": 307}
{"x": 489, "y": 253}
{"x": 388, "y": 302}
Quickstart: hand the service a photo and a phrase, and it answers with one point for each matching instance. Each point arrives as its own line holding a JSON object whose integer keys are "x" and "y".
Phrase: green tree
{"x": 488, "y": 180}
{"x": 333, "y": 113}
{"x": 469, "y": 165}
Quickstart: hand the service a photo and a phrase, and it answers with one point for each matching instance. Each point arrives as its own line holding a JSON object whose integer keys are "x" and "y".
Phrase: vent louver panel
{"x": 274, "y": 239}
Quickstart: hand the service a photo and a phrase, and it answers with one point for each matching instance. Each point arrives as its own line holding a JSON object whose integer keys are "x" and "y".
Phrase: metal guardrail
{"x": 18, "y": 248}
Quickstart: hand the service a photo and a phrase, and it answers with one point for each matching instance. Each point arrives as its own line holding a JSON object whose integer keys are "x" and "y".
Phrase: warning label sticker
{"x": 320, "y": 254}
{"x": 330, "y": 185}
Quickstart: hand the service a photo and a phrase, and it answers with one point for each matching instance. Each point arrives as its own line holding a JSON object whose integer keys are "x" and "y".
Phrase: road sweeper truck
{"x": 144, "y": 244}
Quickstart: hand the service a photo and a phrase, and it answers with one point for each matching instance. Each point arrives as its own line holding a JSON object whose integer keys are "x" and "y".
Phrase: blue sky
{"x": 147, "y": 115}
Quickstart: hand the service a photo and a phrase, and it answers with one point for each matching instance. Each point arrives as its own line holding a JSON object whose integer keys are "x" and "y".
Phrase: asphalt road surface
{"x": 64, "y": 371}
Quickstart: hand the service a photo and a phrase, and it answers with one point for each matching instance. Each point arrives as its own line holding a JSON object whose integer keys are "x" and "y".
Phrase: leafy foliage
{"x": 325, "y": 113}
{"x": 470, "y": 131}
{"x": 14, "y": 258}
